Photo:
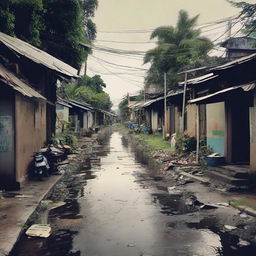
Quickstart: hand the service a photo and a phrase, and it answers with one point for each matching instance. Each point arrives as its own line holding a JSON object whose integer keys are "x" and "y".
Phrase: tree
{"x": 90, "y": 90}
{"x": 248, "y": 15}
{"x": 176, "y": 47}
{"x": 57, "y": 26}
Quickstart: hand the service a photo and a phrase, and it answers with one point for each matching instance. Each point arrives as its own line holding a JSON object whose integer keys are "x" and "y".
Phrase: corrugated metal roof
{"x": 64, "y": 104}
{"x": 245, "y": 87}
{"x": 200, "y": 79}
{"x": 37, "y": 55}
{"x": 169, "y": 95}
{"x": 234, "y": 62}
{"x": 13, "y": 81}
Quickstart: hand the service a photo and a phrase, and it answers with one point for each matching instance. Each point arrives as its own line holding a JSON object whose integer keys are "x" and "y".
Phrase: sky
{"x": 127, "y": 25}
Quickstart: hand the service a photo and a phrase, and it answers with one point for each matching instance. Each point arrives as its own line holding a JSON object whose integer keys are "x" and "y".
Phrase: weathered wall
{"x": 85, "y": 120}
{"x": 30, "y": 132}
{"x": 191, "y": 119}
{"x": 215, "y": 115}
{"x": 7, "y": 136}
{"x": 253, "y": 136}
{"x": 62, "y": 114}
{"x": 154, "y": 120}
{"x": 90, "y": 120}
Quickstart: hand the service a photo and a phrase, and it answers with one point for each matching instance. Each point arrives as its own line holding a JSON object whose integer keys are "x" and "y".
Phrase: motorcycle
{"x": 41, "y": 167}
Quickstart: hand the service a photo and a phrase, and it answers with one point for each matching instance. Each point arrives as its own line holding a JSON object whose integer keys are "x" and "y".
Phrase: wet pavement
{"x": 120, "y": 208}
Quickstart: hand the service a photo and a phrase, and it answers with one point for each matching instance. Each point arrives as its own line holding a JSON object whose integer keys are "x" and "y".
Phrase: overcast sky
{"x": 130, "y": 23}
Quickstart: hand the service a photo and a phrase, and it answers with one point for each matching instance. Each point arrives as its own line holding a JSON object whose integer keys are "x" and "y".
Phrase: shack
{"x": 28, "y": 78}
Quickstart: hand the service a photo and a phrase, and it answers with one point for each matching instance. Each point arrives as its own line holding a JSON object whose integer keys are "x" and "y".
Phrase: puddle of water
{"x": 176, "y": 204}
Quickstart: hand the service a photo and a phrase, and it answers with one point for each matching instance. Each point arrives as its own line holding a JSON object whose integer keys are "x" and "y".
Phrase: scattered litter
{"x": 243, "y": 215}
{"x": 208, "y": 206}
{"x": 214, "y": 155}
{"x": 131, "y": 245}
{"x": 243, "y": 243}
{"x": 223, "y": 204}
{"x": 230, "y": 227}
{"x": 39, "y": 230}
{"x": 55, "y": 205}
{"x": 171, "y": 188}
{"x": 24, "y": 196}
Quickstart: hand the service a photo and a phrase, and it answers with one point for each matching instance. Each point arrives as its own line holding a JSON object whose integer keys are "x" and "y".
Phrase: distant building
{"x": 238, "y": 47}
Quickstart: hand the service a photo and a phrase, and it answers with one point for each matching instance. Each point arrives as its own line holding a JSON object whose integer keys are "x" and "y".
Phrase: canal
{"x": 119, "y": 208}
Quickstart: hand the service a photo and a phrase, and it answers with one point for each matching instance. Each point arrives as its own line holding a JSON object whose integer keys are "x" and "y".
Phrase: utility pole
{"x": 184, "y": 103}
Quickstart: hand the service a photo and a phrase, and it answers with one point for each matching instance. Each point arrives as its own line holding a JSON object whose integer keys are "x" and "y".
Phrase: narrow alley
{"x": 120, "y": 208}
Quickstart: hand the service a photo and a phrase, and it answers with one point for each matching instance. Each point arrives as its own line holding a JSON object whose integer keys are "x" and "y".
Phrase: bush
{"x": 65, "y": 138}
{"x": 185, "y": 143}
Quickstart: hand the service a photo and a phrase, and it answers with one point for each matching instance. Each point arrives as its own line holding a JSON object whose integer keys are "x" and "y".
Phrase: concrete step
{"x": 223, "y": 178}
{"x": 231, "y": 171}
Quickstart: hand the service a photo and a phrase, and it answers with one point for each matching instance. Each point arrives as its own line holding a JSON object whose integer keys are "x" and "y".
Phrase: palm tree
{"x": 176, "y": 47}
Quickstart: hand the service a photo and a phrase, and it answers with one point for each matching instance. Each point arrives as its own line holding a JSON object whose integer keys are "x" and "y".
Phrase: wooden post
{"x": 197, "y": 133}
{"x": 165, "y": 104}
{"x": 184, "y": 102}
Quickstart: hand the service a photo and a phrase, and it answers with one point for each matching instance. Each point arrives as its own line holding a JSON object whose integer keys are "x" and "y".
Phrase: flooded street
{"x": 119, "y": 209}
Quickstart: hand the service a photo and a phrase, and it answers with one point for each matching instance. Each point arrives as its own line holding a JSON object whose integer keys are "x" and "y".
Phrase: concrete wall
{"x": 7, "y": 137}
{"x": 215, "y": 115}
{"x": 85, "y": 120}
{"x": 30, "y": 132}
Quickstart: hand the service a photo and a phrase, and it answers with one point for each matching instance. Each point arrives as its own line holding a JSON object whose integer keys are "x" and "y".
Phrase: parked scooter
{"x": 40, "y": 166}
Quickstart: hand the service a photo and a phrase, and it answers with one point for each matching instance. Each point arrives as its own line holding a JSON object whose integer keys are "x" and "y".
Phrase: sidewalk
{"x": 17, "y": 206}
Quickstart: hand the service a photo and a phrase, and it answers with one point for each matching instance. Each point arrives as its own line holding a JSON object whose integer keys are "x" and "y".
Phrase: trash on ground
{"x": 24, "y": 196}
{"x": 230, "y": 227}
{"x": 223, "y": 204}
{"x": 54, "y": 205}
{"x": 243, "y": 243}
{"x": 131, "y": 245}
{"x": 243, "y": 215}
{"x": 39, "y": 230}
{"x": 208, "y": 206}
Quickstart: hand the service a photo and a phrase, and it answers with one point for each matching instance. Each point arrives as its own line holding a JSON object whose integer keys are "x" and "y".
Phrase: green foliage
{"x": 177, "y": 47}
{"x": 90, "y": 90}
{"x": 185, "y": 143}
{"x": 248, "y": 14}
{"x": 66, "y": 139}
{"x": 58, "y": 26}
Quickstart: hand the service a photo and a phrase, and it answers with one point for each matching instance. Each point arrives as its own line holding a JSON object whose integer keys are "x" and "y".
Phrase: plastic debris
{"x": 24, "y": 196}
{"x": 131, "y": 245}
{"x": 230, "y": 227}
{"x": 243, "y": 215}
{"x": 39, "y": 230}
{"x": 214, "y": 155}
{"x": 243, "y": 243}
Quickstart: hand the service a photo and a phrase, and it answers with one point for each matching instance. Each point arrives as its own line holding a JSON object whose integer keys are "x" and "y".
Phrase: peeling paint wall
{"x": 215, "y": 115}
{"x": 30, "y": 132}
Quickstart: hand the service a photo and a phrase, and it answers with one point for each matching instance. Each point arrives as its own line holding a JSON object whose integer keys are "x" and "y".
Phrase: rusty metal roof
{"x": 13, "y": 81}
{"x": 37, "y": 55}
{"x": 245, "y": 87}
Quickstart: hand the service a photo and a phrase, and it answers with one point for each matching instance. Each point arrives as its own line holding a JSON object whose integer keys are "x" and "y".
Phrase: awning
{"x": 37, "y": 55}
{"x": 15, "y": 83}
{"x": 216, "y": 96}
